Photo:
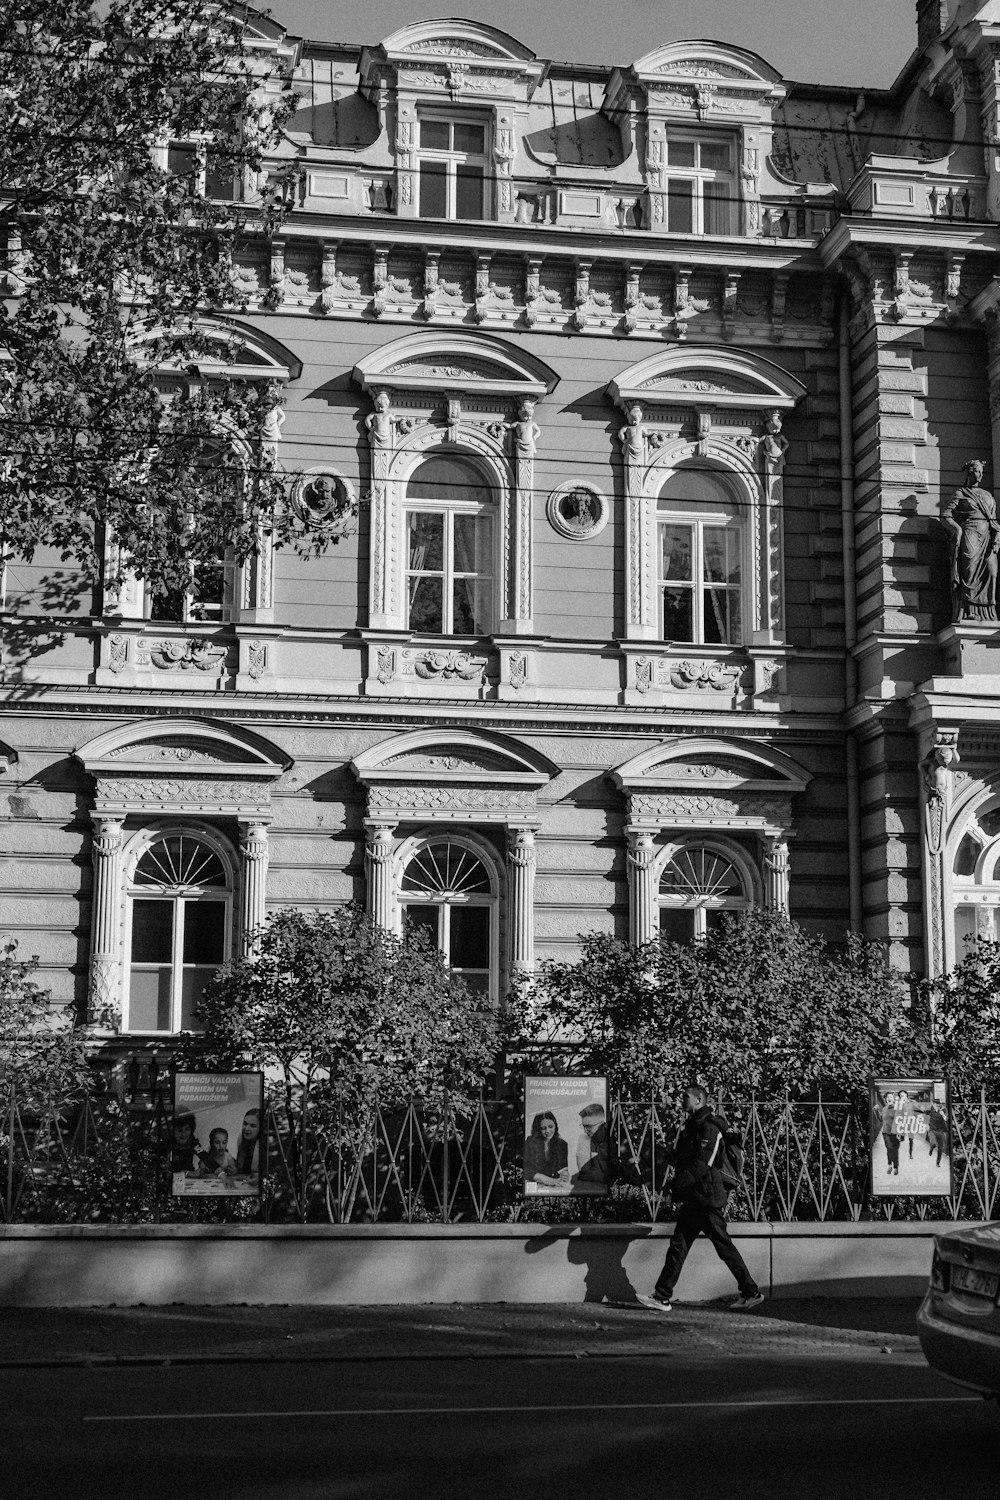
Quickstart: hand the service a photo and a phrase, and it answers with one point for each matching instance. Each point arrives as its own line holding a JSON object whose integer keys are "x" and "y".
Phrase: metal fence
{"x": 107, "y": 1160}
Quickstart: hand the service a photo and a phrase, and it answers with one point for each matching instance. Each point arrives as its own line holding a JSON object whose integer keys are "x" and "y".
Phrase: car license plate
{"x": 980, "y": 1283}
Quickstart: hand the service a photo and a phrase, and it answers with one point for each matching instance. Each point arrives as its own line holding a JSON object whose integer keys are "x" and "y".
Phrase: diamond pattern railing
{"x": 106, "y": 1159}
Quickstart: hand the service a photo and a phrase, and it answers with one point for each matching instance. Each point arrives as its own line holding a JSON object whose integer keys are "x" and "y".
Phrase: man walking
{"x": 701, "y": 1194}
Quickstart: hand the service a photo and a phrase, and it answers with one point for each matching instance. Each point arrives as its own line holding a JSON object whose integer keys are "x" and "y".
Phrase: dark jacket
{"x": 699, "y": 1150}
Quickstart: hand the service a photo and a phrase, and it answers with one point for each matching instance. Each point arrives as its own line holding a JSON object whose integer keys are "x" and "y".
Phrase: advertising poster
{"x": 911, "y": 1138}
{"x": 217, "y": 1135}
{"x": 566, "y": 1127}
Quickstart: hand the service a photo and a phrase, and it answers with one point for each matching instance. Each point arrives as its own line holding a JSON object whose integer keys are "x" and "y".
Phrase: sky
{"x": 862, "y": 42}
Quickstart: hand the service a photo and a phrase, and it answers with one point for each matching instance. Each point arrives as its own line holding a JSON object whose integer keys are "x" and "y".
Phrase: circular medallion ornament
{"x": 577, "y": 509}
{"x": 325, "y": 500}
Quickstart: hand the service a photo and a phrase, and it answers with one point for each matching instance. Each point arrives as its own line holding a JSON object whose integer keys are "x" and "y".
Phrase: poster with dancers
{"x": 911, "y": 1138}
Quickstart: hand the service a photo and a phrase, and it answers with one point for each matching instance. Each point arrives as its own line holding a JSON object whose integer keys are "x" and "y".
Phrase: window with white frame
{"x": 701, "y": 184}
{"x": 207, "y": 600}
{"x": 699, "y": 885}
{"x": 453, "y": 167}
{"x": 209, "y": 596}
{"x": 976, "y": 882}
{"x": 206, "y": 171}
{"x": 700, "y": 548}
{"x": 446, "y": 888}
{"x": 449, "y": 548}
{"x": 179, "y": 925}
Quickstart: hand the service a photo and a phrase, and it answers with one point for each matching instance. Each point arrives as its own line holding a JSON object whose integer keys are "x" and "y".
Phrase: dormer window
{"x": 701, "y": 185}
{"x": 452, "y": 166}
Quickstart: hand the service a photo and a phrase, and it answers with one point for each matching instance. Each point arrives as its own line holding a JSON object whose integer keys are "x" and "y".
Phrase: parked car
{"x": 959, "y": 1318}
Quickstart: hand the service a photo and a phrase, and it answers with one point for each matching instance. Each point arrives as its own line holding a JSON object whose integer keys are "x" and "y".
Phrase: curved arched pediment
{"x": 435, "y": 756}
{"x": 707, "y": 377}
{"x": 182, "y": 747}
{"x": 712, "y": 763}
{"x": 237, "y": 350}
{"x": 706, "y": 61}
{"x": 442, "y": 361}
{"x": 456, "y": 39}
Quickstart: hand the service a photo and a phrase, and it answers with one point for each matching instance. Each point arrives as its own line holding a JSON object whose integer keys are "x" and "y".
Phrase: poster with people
{"x": 566, "y": 1136}
{"x": 911, "y": 1138}
{"x": 217, "y": 1135}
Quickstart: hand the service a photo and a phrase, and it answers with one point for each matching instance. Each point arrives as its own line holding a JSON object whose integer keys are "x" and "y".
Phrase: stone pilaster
{"x": 254, "y": 849}
{"x": 776, "y": 874}
{"x": 104, "y": 997}
{"x": 641, "y": 894}
{"x": 521, "y": 862}
{"x": 378, "y": 868}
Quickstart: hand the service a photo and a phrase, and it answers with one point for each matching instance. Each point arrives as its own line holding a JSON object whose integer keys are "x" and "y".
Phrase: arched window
{"x": 976, "y": 882}
{"x": 449, "y": 538}
{"x": 180, "y": 929}
{"x": 700, "y": 545}
{"x": 447, "y": 888}
{"x": 698, "y": 885}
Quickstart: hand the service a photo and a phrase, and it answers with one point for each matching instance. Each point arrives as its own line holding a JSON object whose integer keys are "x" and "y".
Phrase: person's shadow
{"x": 606, "y": 1279}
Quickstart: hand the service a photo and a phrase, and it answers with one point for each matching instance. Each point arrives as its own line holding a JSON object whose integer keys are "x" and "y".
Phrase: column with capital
{"x": 776, "y": 870}
{"x": 104, "y": 997}
{"x": 641, "y": 895}
{"x": 521, "y": 863}
{"x": 254, "y": 849}
{"x": 378, "y": 868}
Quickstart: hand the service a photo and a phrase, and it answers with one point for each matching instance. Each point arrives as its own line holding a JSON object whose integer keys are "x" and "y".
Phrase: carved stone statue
{"x": 379, "y": 424}
{"x": 970, "y": 518}
{"x": 526, "y": 430}
{"x": 630, "y": 436}
{"x": 578, "y": 510}
{"x": 774, "y": 444}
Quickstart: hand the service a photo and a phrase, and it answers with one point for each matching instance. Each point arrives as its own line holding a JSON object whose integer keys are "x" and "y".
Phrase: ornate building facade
{"x": 665, "y": 594}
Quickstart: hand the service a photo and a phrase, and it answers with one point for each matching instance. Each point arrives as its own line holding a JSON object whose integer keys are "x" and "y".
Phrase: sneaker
{"x": 656, "y": 1303}
{"x": 744, "y": 1304}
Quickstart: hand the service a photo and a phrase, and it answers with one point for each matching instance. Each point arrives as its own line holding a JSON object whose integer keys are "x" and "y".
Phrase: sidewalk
{"x": 206, "y": 1335}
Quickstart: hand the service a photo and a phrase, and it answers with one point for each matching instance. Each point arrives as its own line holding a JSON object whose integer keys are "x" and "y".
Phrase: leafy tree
{"x": 43, "y": 1062}
{"x": 110, "y": 260}
{"x": 966, "y": 1010}
{"x": 760, "y": 1005}
{"x": 342, "y": 1016}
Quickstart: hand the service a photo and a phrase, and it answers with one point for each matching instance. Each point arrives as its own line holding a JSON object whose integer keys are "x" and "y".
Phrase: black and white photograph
{"x": 911, "y": 1138}
{"x": 566, "y": 1141}
{"x": 217, "y": 1142}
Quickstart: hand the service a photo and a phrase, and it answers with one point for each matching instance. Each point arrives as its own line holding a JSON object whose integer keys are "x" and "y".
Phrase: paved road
{"x": 850, "y": 1422}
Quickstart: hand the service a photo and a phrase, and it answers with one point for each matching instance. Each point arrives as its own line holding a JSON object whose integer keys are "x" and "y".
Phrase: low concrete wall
{"x": 104, "y": 1265}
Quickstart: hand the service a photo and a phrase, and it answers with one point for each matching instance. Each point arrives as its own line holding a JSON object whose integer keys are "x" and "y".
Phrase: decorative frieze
{"x": 493, "y": 289}
{"x": 444, "y": 666}
{"x": 739, "y": 809}
{"x": 467, "y": 801}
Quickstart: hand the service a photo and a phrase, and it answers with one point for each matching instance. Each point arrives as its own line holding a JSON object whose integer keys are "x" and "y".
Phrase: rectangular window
{"x": 212, "y": 173}
{"x": 450, "y": 572}
{"x": 453, "y": 168}
{"x": 207, "y": 601}
{"x": 701, "y": 186}
{"x": 700, "y": 588}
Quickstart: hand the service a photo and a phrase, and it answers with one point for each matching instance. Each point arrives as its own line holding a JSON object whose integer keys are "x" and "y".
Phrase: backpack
{"x": 730, "y": 1161}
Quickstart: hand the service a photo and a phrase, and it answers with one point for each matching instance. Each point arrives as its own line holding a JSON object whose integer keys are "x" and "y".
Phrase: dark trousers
{"x": 692, "y": 1221}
